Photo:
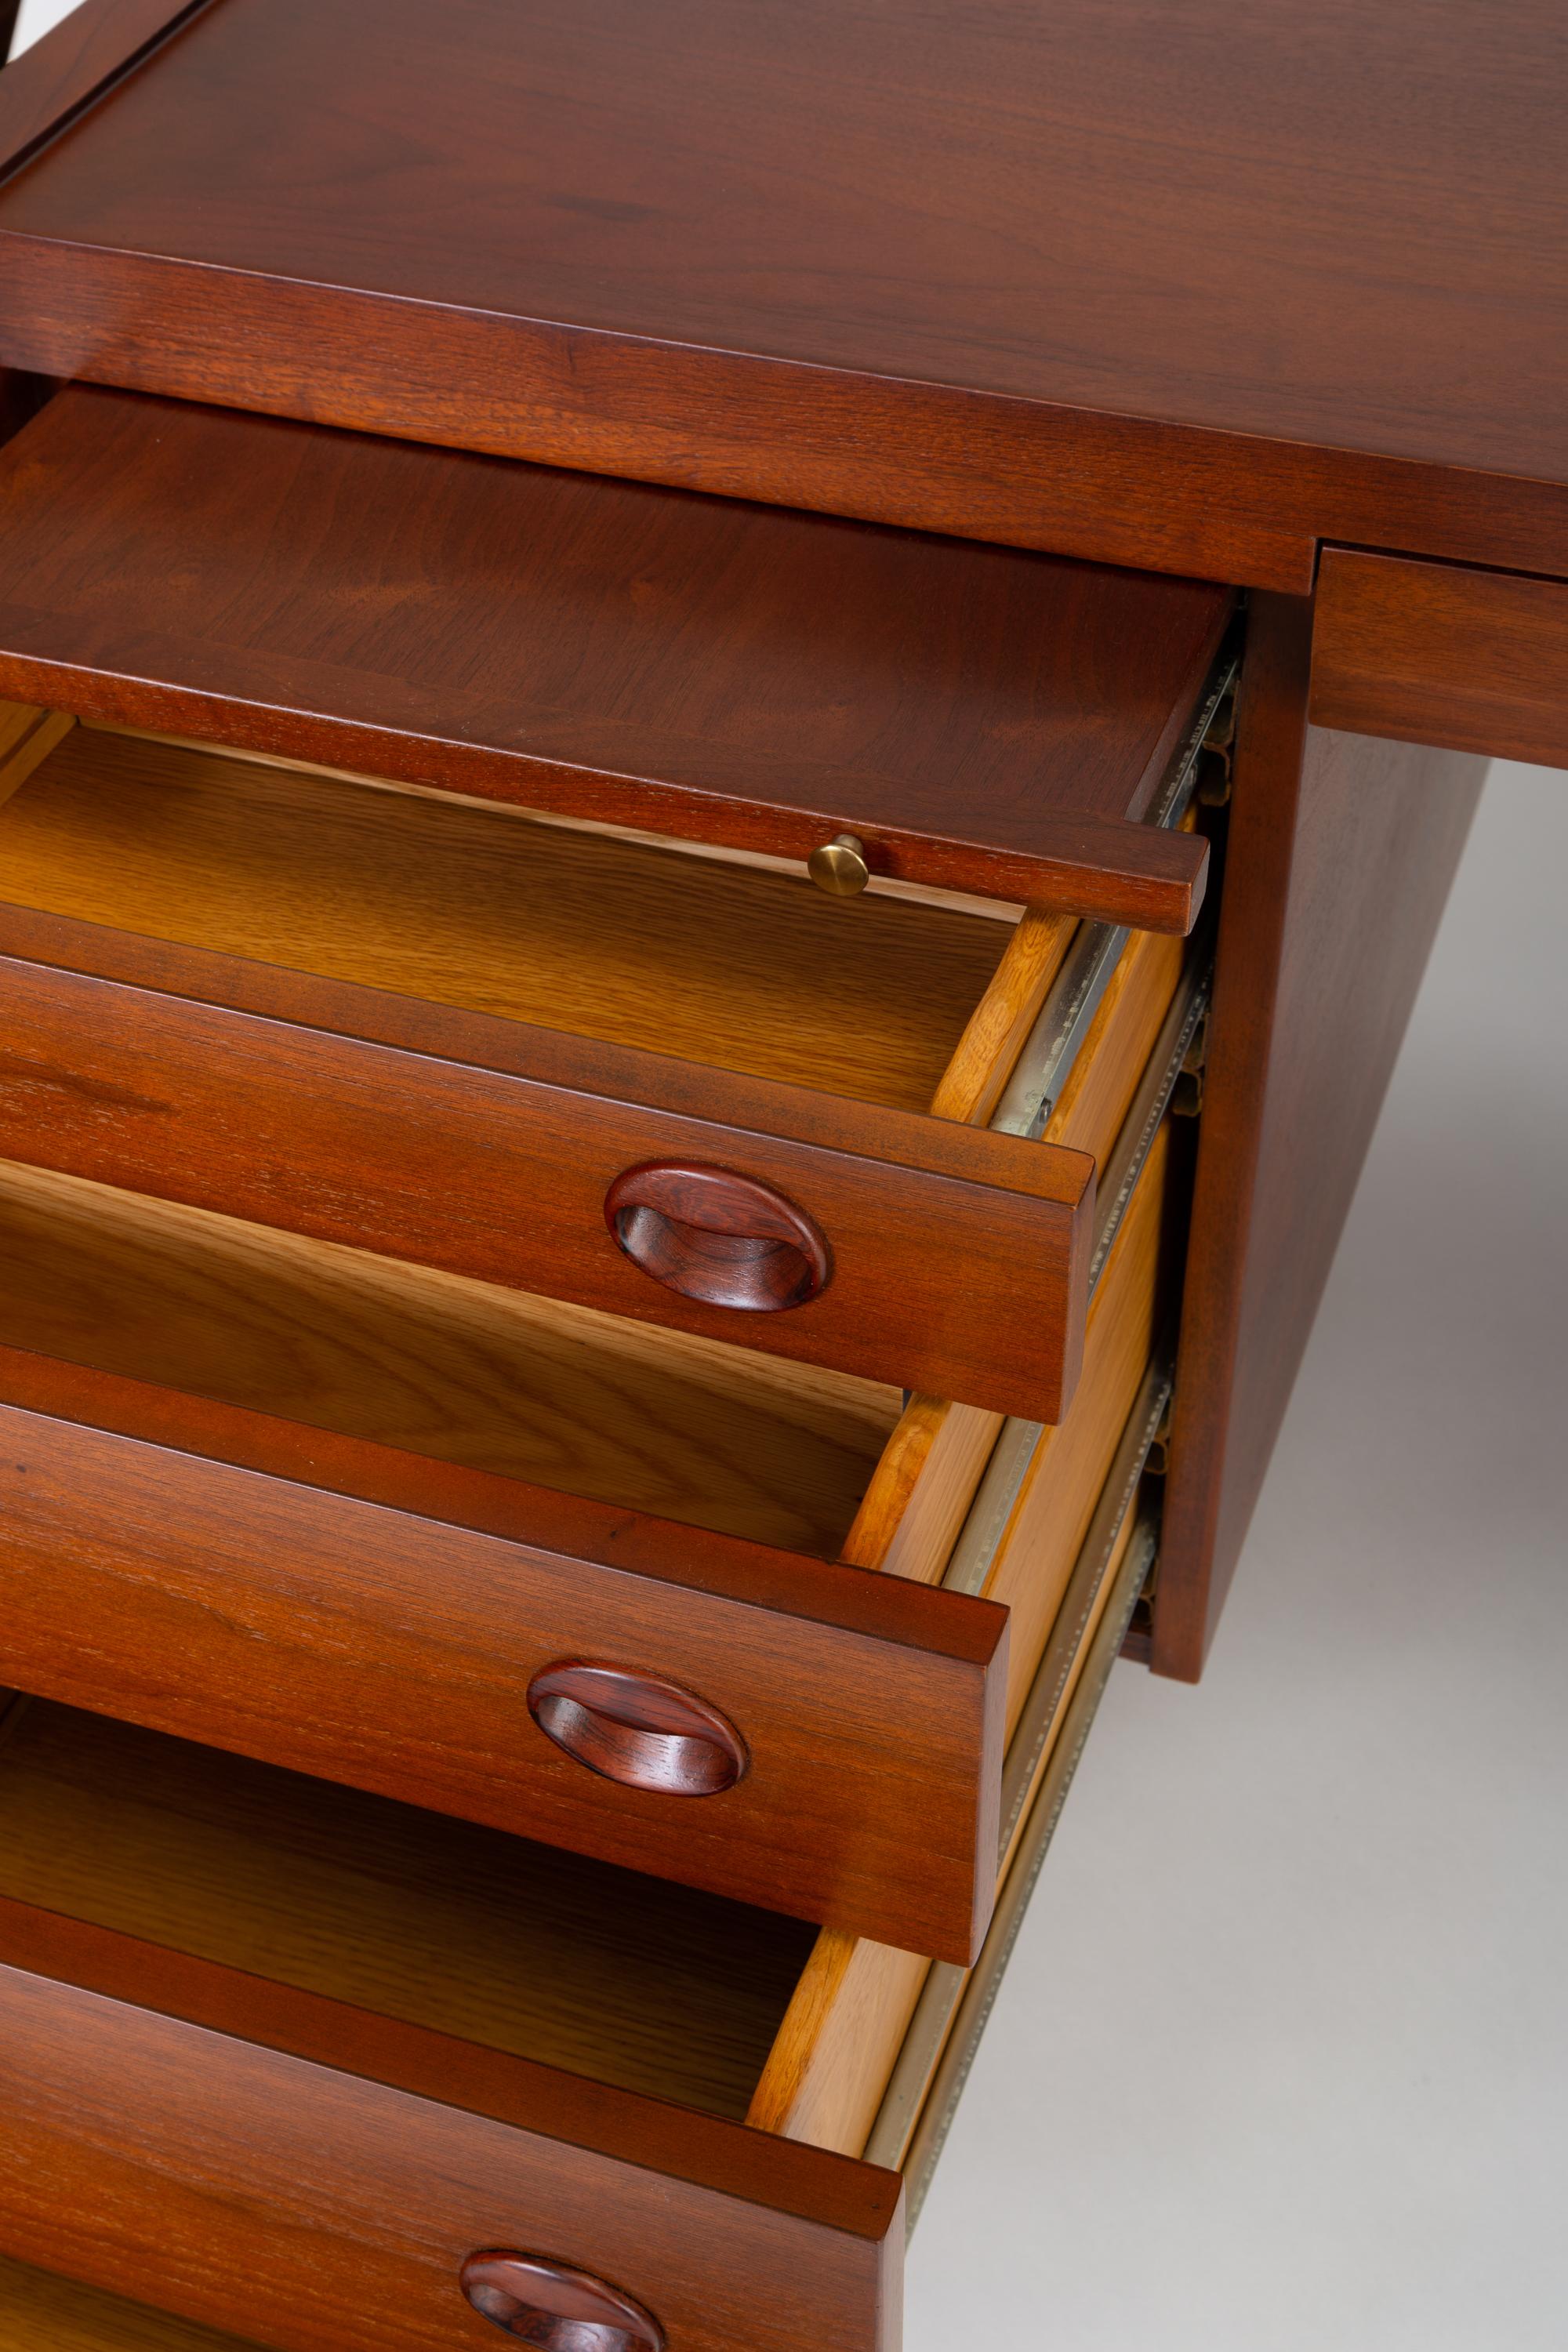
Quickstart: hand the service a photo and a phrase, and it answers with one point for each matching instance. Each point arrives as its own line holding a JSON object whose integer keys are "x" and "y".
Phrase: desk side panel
{"x": 1340, "y": 854}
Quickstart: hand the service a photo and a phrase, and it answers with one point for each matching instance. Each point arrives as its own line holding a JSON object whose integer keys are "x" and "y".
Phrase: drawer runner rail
{"x": 938, "y": 2049}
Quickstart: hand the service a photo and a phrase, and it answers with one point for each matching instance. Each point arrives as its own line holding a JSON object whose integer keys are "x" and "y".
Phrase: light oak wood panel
{"x": 879, "y": 886}
{"x": 517, "y": 1947}
{"x": 1050, "y": 1518}
{"x": 999, "y": 1026}
{"x": 828, "y": 2068}
{"x": 459, "y": 903}
{"x": 1098, "y": 1088}
{"x": 28, "y": 736}
{"x": 922, "y": 1488}
{"x": 528, "y": 1388}
{"x": 1092, "y": 1619}
{"x": 941, "y": 1448}
{"x": 40, "y": 2313}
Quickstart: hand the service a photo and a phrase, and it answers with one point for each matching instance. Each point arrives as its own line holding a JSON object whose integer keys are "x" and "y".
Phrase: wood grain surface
{"x": 1341, "y": 854}
{"x": 42, "y": 2313}
{"x": 939, "y": 1448}
{"x": 488, "y": 1149}
{"x": 1050, "y": 1518}
{"x": 28, "y": 736}
{"x": 380, "y": 1620}
{"x": 76, "y": 63}
{"x": 1169, "y": 287}
{"x": 1430, "y": 653}
{"x": 488, "y": 1380}
{"x": 506, "y": 1943}
{"x": 982, "y": 718}
{"x": 998, "y": 1028}
{"x": 239, "y": 2151}
{"x": 475, "y": 907}
{"x": 829, "y": 2065}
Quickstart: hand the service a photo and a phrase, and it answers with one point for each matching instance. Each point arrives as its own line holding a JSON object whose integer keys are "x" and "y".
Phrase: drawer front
{"x": 492, "y": 1150}
{"x": 1431, "y": 653}
{"x": 376, "y": 1618}
{"x": 759, "y": 678}
{"x": 289, "y": 2169}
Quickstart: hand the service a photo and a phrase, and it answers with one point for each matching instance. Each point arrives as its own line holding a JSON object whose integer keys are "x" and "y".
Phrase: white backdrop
{"x": 35, "y": 18}
{"x": 1279, "y": 2065}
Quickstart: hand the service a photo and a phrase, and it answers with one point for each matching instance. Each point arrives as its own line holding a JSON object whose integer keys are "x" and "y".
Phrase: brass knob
{"x": 839, "y": 865}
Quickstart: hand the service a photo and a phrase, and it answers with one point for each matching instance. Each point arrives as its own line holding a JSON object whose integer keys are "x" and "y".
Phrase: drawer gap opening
{"x": 597, "y": 1971}
{"x": 477, "y": 905}
{"x": 496, "y": 1379}
{"x": 519, "y": 1948}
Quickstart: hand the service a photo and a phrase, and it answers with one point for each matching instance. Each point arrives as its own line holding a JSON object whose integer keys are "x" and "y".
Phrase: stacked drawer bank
{"x": 632, "y": 1253}
{"x": 593, "y": 1192}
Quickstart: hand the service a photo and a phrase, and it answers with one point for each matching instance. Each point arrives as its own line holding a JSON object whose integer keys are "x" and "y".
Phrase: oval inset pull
{"x": 634, "y": 1729}
{"x": 713, "y": 1236}
{"x": 556, "y": 2307}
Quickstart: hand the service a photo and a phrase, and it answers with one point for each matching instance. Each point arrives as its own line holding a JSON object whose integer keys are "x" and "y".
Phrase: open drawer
{"x": 590, "y": 1580}
{"x": 677, "y": 1085}
{"x": 294, "y": 2063}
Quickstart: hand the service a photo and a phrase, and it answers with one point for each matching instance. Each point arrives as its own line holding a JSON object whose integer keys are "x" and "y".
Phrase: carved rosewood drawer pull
{"x": 555, "y": 2307}
{"x": 717, "y": 1236}
{"x": 632, "y": 1728}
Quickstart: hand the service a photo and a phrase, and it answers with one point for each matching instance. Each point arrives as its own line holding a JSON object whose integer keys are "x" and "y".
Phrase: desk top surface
{"x": 1338, "y": 231}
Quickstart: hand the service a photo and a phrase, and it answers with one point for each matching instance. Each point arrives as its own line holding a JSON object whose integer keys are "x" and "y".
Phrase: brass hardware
{"x": 839, "y": 866}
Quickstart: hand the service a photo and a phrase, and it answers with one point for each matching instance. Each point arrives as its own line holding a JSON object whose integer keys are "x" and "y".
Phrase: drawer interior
{"x": 41, "y": 2312}
{"x": 494, "y": 1380}
{"x": 597, "y": 1970}
{"x": 519, "y": 1948}
{"x": 810, "y": 2022}
{"x": 553, "y": 1394}
{"x": 469, "y": 903}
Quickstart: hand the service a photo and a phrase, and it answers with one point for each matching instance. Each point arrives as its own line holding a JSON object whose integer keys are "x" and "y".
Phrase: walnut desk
{"x": 730, "y": 738}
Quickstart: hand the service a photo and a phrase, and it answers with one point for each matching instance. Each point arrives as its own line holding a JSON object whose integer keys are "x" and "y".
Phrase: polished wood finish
{"x": 1429, "y": 652}
{"x": 487, "y": 1148}
{"x": 41, "y": 2312}
{"x": 189, "y": 2113}
{"x": 469, "y": 904}
{"x": 462, "y": 1372}
{"x": 560, "y": 2310}
{"x": 472, "y": 1141}
{"x": 939, "y": 1443}
{"x": 627, "y": 1980}
{"x": 1049, "y": 1518}
{"x": 713, "y": 1236}
{"x": 78, "y": 62}
{"x": 829, "y": 2064}
{"x": 636, "y": 1729}
{"x": 1342, "y": 851}
{"x": 1030, "y": 286}
{"x": 367, "y": 1616}
{"x": 27, "y": 736}
{"x": 839, "y": 2041}
{"x": 982, "y": 718}
{"x": 1097, "y": 1090}
{"x": 982, "y": 1063}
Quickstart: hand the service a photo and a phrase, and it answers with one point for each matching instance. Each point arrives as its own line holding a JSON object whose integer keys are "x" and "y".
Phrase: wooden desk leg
{"x": 1342, "y": 851}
